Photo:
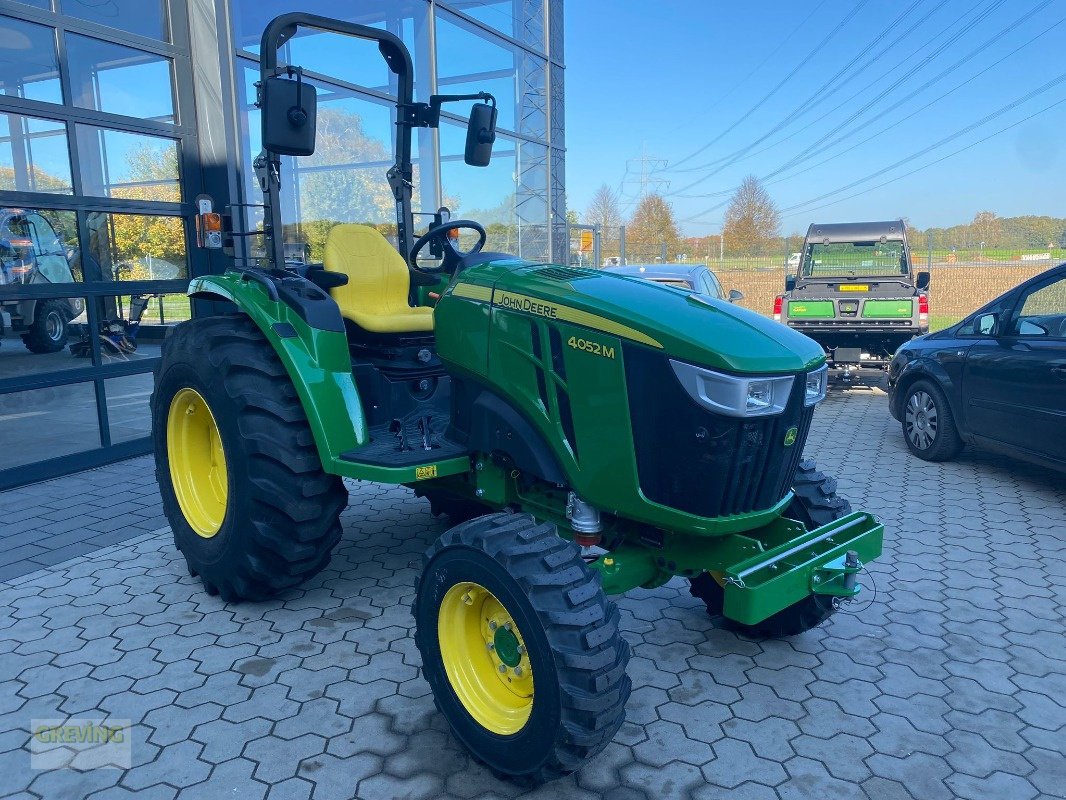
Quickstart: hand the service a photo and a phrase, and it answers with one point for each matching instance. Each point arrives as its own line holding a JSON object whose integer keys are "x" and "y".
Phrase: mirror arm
{"x": 427, "y": 115}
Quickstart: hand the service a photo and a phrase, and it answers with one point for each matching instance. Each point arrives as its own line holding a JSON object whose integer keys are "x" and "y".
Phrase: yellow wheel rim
{"x": 197, "y": 462}
{"x": 485, "y": 658}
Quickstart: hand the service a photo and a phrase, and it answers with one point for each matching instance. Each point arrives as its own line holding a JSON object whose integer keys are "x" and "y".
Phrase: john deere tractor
{"x": 586, "y": 432}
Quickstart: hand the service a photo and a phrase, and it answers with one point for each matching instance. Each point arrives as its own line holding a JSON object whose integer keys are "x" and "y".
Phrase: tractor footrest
{"x": 814, "y": 563}
{"x": 393, "y": 447}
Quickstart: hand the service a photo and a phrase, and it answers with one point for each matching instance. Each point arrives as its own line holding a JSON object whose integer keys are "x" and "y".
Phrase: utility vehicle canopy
{"x": 855, "y": 249}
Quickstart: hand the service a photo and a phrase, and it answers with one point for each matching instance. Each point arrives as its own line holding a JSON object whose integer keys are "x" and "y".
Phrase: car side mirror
{"x": 922, "y": 281}
{"x": 735, "y": 295}
{"x": 480, "y": 134}
{"x": 790, "y": 283}
{"x": 986, "y": 324}
{"x": 289, "y": 108}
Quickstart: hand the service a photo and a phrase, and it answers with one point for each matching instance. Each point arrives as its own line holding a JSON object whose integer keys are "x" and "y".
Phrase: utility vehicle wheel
{"x": 928, "y": 425}
{"x": 243, "y": 487}
{"x": 456, "y": 509}
{"x": 816, "y": 503}
{"x": 48, "y": 332}
{"x": 520, "y": 646}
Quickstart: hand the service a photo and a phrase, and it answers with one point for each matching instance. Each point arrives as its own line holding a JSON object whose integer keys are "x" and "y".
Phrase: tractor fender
{"x": 495, "y": 426}
{"x": 317, "y": 361}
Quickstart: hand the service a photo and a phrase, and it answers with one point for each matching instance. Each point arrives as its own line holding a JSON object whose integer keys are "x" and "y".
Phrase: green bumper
{"x": 763, "y": 570}
{"x": 817, "y": 562}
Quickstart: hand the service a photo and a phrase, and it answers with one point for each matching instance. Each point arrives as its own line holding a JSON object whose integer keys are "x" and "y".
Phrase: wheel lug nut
{"x": 507, "y": 626}
{"x": 518, "y": 671}
{"x": 490, "y": 645}
{"x": 521, "y": 650}
{"x": 503, "y": 668}
{"x": 492, "y": 625}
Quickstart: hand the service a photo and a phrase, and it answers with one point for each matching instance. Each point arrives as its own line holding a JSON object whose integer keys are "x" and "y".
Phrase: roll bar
{"x": 408, "y": 114}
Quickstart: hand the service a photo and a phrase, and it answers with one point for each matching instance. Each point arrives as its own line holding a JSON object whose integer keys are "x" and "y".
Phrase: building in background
{"x": 116, "y": 114}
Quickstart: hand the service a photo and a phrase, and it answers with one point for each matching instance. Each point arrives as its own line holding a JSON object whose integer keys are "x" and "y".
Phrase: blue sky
{"x": 674, "y": 77}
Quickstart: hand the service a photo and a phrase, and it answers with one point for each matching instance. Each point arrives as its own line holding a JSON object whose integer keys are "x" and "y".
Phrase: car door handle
{"x": 1060, "y": 371}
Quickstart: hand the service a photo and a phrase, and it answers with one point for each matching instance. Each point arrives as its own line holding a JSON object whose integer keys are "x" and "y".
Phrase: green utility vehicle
{"x": 856, "y": 292}
{"x": 588, "y": 432}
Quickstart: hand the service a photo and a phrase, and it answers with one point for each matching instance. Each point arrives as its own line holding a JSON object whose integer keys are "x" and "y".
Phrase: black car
{"x": 997, "y": 379}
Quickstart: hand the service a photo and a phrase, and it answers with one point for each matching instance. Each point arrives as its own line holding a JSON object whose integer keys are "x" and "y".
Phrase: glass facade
{"x": 508, "y": 48}
{"x": 115, "y": 116}
{"x": 98, "y": 169}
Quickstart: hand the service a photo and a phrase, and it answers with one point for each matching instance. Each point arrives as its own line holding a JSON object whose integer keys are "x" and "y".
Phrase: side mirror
{"x": 922, "y": 281}
{"x": 986, "y": 324}
{"x": 790, "y": 283}
{"x": 480, "y": 134}
{"x": 735, "y": 295}
{"x": 289, "y": 108}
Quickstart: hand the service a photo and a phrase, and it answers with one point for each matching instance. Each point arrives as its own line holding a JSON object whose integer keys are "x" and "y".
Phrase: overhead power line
{"x": 813, "y": 149}
{"x": 939, "y": 143}
{"x": 824, "y": 41}
{"x": 791, "y": 117}
{"x": 931, "y": 163}
{"x": 917, "y": 111}
{"x": 929, "y": 148}
{"x": 869, "y": 104}
{"x": 759, "y": 66}
{"x": 826, "y": 90}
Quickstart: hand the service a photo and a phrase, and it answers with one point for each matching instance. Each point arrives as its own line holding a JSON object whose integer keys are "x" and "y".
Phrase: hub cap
{"x": 197, "y": 462}
{"x": 485, "y": 658}
{"x": 921, "y": 420}
{"x": 53, "y": 326}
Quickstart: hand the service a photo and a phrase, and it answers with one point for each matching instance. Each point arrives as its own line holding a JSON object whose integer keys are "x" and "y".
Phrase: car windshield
{"x": 853, "y": 260}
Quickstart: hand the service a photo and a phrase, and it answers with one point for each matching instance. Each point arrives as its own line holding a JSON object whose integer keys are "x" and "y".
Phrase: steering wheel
{"x": 452, "y": 254}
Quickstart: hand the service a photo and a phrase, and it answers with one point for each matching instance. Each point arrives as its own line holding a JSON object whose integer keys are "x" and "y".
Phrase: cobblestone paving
{"x": 950, "y": 681}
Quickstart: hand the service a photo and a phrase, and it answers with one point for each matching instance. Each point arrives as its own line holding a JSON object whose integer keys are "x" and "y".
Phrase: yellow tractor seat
{"x": 375, "y": 297}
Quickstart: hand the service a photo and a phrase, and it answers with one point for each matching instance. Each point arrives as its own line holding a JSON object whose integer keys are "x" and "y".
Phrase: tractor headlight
{"x": 817, "y": 382}
{"x": 734, "y": 395}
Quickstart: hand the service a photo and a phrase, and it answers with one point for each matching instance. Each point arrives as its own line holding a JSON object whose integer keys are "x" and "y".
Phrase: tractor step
{"x": 404, "y": 443}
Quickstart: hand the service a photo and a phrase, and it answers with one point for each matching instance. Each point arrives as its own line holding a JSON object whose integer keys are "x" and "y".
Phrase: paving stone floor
{"x": 949, "y": 680}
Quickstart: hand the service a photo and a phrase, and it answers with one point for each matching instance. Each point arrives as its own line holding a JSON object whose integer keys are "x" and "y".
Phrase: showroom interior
{"x": 117, "y": 115}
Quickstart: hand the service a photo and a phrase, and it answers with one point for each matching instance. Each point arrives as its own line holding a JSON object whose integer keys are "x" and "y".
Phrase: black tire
{"x": 815, "y": 503}
{"x": 576, "y": 654}
{"x": 457, "y": 509}
{"x": 282, "y": 513}
{"x": 48, "y": 331}
{"x": 928, "y": 425}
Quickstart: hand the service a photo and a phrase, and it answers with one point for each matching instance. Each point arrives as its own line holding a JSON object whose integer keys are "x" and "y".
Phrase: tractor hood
{"x": 683, "y": 324}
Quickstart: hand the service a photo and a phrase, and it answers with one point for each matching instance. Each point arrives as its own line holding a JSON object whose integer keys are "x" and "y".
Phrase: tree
{"x": 604, "y": 211}
{"x": 653, "y": 225}
{"x": 985, "y": 228}
{"x": 751, "y": 220}
{"x": 129, "y": 244}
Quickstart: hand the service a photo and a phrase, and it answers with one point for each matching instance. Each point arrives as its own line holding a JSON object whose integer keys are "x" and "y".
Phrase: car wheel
{"x": 928, "y": 424}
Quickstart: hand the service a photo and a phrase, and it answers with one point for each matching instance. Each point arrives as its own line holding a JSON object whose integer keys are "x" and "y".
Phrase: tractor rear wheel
{"x": 815, "y": 503}
{"x": 520, "y": 646}
{"x": 242, "y": 484}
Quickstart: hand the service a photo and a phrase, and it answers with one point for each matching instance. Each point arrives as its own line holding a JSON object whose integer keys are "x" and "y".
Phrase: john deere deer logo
{"x": 790, "y": 436}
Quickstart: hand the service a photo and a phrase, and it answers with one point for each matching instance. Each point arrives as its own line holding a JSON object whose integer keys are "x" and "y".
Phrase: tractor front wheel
{"x": 242, "y": 484}
{"x": 520, "y": 646}
{"x": 48, "y": 331}
{"x": 815, "y": 503}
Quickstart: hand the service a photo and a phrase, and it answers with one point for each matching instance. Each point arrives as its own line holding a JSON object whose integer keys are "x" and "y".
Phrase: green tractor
{"x": 586, "y": 432}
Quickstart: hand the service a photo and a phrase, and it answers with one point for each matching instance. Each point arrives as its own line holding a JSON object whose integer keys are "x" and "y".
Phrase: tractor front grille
{"x": 704, "y": 463}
